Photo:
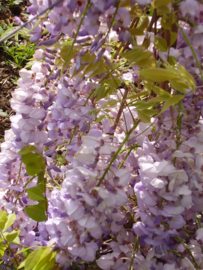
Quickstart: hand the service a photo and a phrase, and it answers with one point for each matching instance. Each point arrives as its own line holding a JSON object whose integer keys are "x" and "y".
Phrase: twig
{"x": 32, "y": 19}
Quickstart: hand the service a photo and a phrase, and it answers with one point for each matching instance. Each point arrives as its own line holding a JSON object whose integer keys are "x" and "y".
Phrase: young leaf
{"x": 36, "y": 212}
{"x": 143, "y": 117}
{"x": 46, "y": 261}
{"x": 30, "y": 158}
{"x": 35, "y": 193}
{"x": 3, "y": 219}
{"x": 3, "y": 247}
{"x": 110, "y": 103}
{"x": 158, "y": 99}
{"x": 136, "y": 11}
{"x": 171, "y": 101}
{"x": 142, "y": 105}
{"x": 162, "y": 10}
{"x": 10, "y": 220}
{"x": 160, "y": 3}
{"x": 157, "y": 74}
{"x": 160, "y": 44}
{"x": 173, "y": 37}
{"x": 114, "y": 83}
{"x": 159, "y": 91}
{"x": 33, "y": 168}
{"x": 10, "y": 237}
{"x": 100, "y": 118}
{"x": 33, "y": 258}
{"x": 27, "y": 149}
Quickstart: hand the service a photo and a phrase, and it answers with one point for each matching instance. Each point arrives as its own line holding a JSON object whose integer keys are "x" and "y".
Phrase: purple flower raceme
{"x": 120, "y": 204}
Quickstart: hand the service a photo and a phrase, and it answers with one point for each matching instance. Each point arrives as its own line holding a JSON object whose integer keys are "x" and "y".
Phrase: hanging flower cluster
{"x": 113, "y": 105}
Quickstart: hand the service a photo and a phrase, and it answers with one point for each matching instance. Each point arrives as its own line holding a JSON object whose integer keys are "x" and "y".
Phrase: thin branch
{"x": 32, "y": 19}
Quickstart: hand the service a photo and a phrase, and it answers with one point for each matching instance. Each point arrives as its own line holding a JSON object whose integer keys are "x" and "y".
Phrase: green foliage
{"x": 6, "y": 238}
{"x": 140, "y": 57}
{"x": 35, "y": 166}
{"x": 3, "y": 8}
{"x": 19, "y": 52}
{"x": 160, "y": 44}
{"x": 42, "y": 258}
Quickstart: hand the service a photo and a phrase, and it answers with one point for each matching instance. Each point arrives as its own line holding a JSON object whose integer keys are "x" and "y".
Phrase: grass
{"x": 19, "y": 47}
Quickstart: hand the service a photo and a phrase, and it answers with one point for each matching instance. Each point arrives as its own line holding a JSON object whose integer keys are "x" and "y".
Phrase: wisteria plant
{"x": 102, "y": 167}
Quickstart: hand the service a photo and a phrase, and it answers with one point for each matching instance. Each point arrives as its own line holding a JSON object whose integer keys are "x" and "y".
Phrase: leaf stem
{"x": 134, "y": 251}
{"x": 117, "y": 152}
{"x": 192, "y": 49}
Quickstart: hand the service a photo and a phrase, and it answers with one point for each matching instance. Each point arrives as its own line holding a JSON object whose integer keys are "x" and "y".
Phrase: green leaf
{"x": 154, "y": 129}
{"x": 171, "y": 101}
{"x": 172, "y": 60}
{"x": 114, "y": 83}
{"x": 143, "y": 117}
{"x": 110, "y": 103}
{"x": 158, "y": 99}
{"x": 150, "y": 112}
{"x": 142, "y": 105}
{"x": 136, "y": 11}
{"x": 3, "y": 8}
{"x": 3, "y": 219}
{"x": 36, "y": 212}
{"x": 33, "y": 168}
{"x": 160, "y": 44}
{"x": 187, "y": 76}
{"x": 3, "y": 247}
{"x": 173, "y": 37}
{"x": 10, "y": 220}
{"x": 10, "y": 237}
{"x": 157, "y": 74}
{"x": 144, "y": 93}
{"x": 159, "y": 91}
{"x": 136, "y": 54}
{"x": 160, "y": 3}
{"x": 35, "y": 193}
{"x": 136, "y": 31}
{"x": 46, "y": 261}
{"x": 33, "y": 258}
{"x": 21, "y": 265}
{"x": 162, "y": 10}
{"x": 30, "y": 157}
{"x": 168, "y": 20}
{"x": 100, "y": 118}
{"x": 27, "y": 149}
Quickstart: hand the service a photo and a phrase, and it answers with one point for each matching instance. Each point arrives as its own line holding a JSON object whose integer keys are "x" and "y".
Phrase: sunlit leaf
{"x": 35, "y": 193}
{"x": 110, "y": 103}
{"x": 172, "y": 101}
{"x": 100, "y": 119}
{"x": 143, "y": 117}
{"x": 10, "y": 220}
{"x": 157, "y": 74}
{"x": 27, "y": 149}
{"x": 47, "y": 260}
{"x": 159, "y": 3}
{"x": 160, "y": 44}
{"x": 36, "y": 212}
{"x": 33, "y": 258}
{"x": 10, "y": 237}
{"x": 3, "y": 219}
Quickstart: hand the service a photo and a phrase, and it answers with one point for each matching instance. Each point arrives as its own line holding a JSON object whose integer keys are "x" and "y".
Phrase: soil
{"x": 8, "y": 72}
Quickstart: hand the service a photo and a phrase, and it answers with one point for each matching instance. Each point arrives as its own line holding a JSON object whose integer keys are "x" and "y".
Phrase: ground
{"x": 8, "y": 72}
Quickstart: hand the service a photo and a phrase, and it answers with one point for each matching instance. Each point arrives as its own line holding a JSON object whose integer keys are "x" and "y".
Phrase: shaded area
{"x": 8, "y": 72}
